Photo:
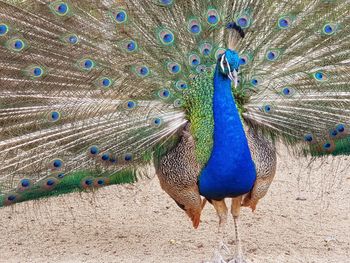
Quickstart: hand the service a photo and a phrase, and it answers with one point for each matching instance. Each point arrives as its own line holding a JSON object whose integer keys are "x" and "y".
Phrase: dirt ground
{"x": 304, "y": 218}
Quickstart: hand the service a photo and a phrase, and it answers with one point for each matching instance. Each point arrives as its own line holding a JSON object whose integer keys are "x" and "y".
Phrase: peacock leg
{"x": 235, "y": 210}
{"x": 221, "y": 210}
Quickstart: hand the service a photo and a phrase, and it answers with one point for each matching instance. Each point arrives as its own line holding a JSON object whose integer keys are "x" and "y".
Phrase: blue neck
{"x": 230, "y": 170}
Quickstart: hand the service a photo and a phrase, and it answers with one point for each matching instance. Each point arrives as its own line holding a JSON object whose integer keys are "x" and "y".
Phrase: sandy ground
{"x": 304, "y": 218}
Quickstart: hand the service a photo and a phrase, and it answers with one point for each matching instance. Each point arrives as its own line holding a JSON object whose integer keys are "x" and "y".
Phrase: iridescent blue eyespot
{"x": 166, "y": 37}
{"x": 156, "y": 122}
{"x": 37, "y": 72}
{"x": 329, "y": 29}
{"x": 16, "y": 44}
{"x": 173, "y": 67}
{"x": 142, "y": 71}
{"x": 59, "y": 8}
{"x": 164, "y": 93}
{"x": 25, "y": 183}
{"x": 4, "y": 29}
{"x": 272, "y": 55}
{"x": 340, "y": 128}
{"x": 320, "y": 76}
{"x": 11, "y": 198}
{"x": 54, "y": 116}
{"x": 50, "y": 182}
{"x": 333, "y": 133}
{"x": 213, "y": 17}
{"x": 181, "y": 85}
{"x": 57, "y": 163}
{"x": 255, "y": 81}
{"x": 308, "y": 138}
{"x": 93, "y": 150}
{"x": 86, "y": 64}
{"x": 194, "y": 60}
{"x": 206, "y": 49}
{"x": 165, "y": 2}
{"x": 288, "y": 91}
{"x": 327, "y": 145}
{"x": 130, "y": 104}
{"x": 120, "y": 16}
{"x": 128, "y": 157}
{"x": 61, "y": 175}
{"x": 194, "y": 26}
{"x": 284, "y": 22}
{"x": 34, "y": 71}
{"x": 100, "y": 181}
{"x": 88, "y": 182}
{"x": 105, "y": 157}
{"x": 73, "y": 39}
{"x": 243, "y": 21}
{"x": 106, "y": 82}
{"x": 131, "y": 46}
{"x": 267, "y": 108}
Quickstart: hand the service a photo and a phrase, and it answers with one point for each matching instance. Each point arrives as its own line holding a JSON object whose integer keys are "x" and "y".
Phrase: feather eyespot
{"x": 194, "y": 27}
{"x": 272, "y": 55}
{"x": 194, "y": 60}
{"x": 93, "y": 150}
{"x": 329, "y": 29}
{"x": 178, "y": 103}
{"x": 142, "y": 71}
{"x": 105, "y": 156}
{"x": 284, "y": 22}
{"x": 164, "y": 93}
{"x": 4, "y": 29}
{"x": 54, "y": 116}
{"x": 181, "y": 85}
{"x": 165, "y": 2}
{"x": 16, "y": 44}
{"x": 308, "y": 138}
{"x": 60, "y": 8}
{"x": 174, "y": 68}
{"x": 320, "y": 76}
{"x": 205, "y": 49}
{"x": 340, "y": 128}
{"x": 166, "y": 37}
{"x": 243, "y": 21}
{"x": 213, "y": 17}
{"x": 128, "y": 157}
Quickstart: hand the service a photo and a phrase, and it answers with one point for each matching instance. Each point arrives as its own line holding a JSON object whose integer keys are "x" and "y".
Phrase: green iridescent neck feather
{"x": 199, "y": 109}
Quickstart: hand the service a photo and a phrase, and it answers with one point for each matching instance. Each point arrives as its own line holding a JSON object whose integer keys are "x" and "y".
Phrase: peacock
{"x": 94, "y": 91}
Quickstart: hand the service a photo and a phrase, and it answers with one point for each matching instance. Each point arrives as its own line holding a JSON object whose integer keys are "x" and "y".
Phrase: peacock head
{"x": 229, "y": 65}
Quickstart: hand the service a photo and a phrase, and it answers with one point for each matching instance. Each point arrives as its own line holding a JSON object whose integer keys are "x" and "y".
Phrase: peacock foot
{"x": 239, "y": 259}
{"x": 218, "y": 257}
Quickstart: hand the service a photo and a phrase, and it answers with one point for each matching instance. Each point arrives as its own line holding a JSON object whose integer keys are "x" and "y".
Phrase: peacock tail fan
{"x": 90, "y": 91}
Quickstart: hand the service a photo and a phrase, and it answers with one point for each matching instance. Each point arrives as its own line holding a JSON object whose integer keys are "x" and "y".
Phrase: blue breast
{"x": 230, "y": 171}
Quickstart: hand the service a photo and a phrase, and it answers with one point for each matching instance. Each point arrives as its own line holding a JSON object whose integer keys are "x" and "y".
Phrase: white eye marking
{"x": 222, "y": 62}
